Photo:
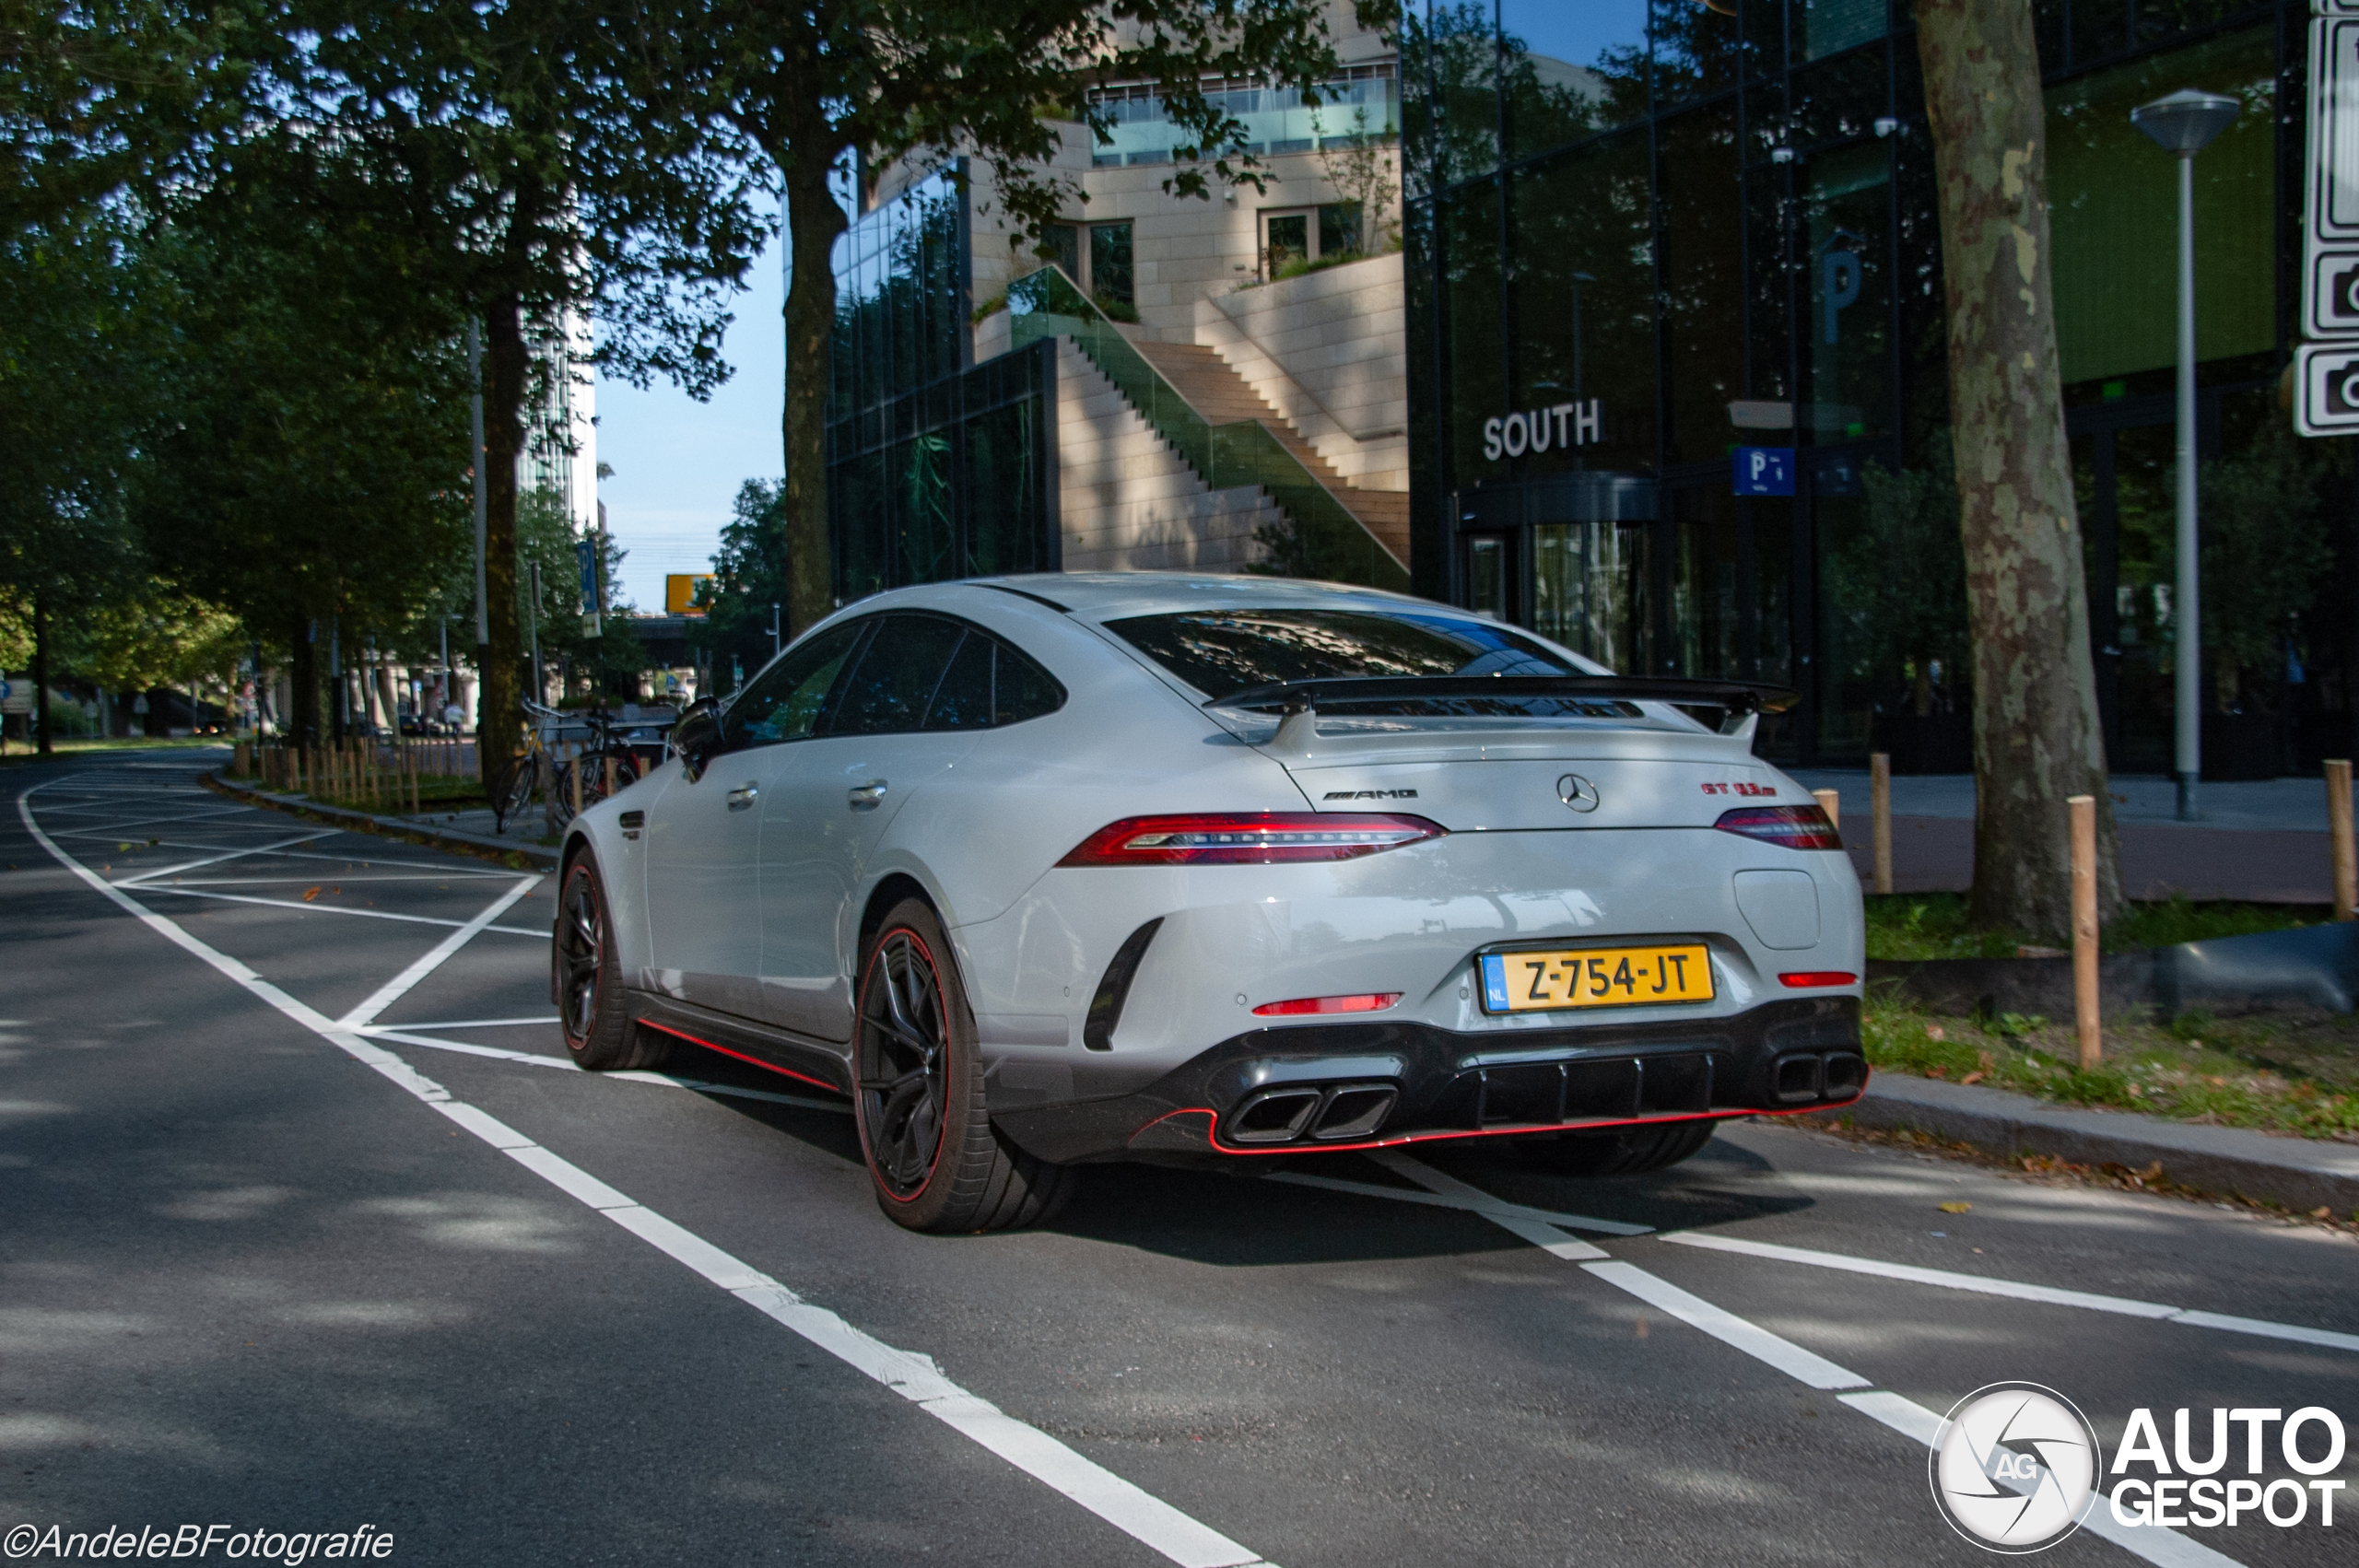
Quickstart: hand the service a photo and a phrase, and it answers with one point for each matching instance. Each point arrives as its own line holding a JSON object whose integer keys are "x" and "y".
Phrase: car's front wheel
{"x": 938, "y": 1162}
{"x": 599, "y": 1032}
{"x": 1629, "y": 1150}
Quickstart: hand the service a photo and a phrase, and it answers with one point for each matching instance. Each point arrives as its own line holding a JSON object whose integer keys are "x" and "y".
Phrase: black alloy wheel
{"x": 904, "y": 1063}
{"x": 599, "y": 1034}
{"x": 938, "y": 1163}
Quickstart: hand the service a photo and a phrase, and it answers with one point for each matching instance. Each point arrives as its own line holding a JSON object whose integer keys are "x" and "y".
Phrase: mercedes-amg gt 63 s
{"x": 1047, "y": 871}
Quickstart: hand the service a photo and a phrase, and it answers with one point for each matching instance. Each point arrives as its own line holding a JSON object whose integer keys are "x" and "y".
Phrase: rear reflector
{"x": 1367, "y": 1002}
{"x": 1247, "y": 839}
{"x": 1811, "y": 980}
{"x": 1796, "y": 827}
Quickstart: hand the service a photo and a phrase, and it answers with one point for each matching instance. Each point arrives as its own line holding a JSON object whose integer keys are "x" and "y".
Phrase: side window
{"x": 963, "y": 701}
{"x": 787, "y": 701}
{"x": 897, "y": 675}
{"x": 1022, "y": 689}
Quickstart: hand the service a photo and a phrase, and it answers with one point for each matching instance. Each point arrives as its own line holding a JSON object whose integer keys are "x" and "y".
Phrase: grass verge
{"x": 2277, "y": 1073}
{"x": 1933, "y": 925}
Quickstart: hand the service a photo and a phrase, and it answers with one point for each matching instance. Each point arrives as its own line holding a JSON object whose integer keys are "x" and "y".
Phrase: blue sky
{"x": 678, "y": 462}
{"x": 1575, "y": 31}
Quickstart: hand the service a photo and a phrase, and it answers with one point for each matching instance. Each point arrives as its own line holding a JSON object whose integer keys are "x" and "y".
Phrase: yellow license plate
{"x": 1596, "y": 976}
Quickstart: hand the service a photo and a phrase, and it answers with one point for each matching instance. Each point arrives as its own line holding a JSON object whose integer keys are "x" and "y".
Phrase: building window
{"x": 1110, "y": 270}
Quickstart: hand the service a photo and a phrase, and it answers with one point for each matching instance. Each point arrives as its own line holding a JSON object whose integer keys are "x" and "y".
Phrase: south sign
{"x": 1559, "y": 425}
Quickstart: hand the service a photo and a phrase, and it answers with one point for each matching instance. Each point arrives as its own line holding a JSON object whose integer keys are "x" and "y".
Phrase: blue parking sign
{"x": 1763, "y": 471}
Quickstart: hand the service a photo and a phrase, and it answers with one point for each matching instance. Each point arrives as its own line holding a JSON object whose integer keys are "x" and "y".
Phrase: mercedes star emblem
{"x": 1577, "y": 793}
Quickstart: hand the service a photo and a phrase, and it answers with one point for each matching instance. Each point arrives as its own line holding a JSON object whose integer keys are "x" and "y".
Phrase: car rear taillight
{"x": 1797, "y": 827}
{"x": 1247, "y": 839}
{"x": 1812, "y": 980}
{"x": 1365, "y": 1002}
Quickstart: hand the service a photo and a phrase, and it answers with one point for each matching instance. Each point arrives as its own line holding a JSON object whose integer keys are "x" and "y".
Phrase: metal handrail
{"x": 1330, "y": 542}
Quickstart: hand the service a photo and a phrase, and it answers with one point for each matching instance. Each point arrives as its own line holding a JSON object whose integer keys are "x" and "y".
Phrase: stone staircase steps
{"x": 1224, "y": 397}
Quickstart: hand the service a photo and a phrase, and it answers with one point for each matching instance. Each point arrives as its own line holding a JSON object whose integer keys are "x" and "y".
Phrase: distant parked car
{"x": 1048, "y": 871}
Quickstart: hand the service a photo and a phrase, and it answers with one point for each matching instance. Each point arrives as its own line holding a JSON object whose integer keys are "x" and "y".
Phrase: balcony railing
{"x": 1325, "y": 541}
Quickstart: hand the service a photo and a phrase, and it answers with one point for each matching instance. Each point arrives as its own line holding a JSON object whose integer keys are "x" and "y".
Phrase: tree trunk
{"x": 41, "y": 674}
{"x": 300, "y": 722}
{"x": 814, "y": 220}
{"x": 500, "y": 718}
{"x": 2036, "y": 736}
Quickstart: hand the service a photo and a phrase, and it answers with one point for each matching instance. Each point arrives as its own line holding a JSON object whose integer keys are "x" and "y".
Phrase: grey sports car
{"x": 1048, "y": 871}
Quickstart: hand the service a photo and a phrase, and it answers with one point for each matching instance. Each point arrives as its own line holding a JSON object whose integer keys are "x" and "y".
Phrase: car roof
{"x": 1111, "y": 595}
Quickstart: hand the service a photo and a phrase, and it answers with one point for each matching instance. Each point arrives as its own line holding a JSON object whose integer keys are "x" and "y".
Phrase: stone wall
{"x": 1330, "y": 350}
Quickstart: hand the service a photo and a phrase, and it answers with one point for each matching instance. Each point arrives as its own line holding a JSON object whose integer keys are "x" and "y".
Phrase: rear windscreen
{"x": 1222, "y": 652}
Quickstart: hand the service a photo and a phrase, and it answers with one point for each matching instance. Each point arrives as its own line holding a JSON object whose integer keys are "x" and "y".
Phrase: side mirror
{"x": 696, "y": 739}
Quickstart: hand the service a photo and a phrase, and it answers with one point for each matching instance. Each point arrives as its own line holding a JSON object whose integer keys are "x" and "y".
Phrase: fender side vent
{"x": 1114, "y": 989}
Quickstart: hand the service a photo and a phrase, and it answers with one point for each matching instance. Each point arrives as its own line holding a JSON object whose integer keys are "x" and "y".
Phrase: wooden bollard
{"x": 1831, "y": 802}
{"x": 2338, "y": 823}
{"x": 576, "y": 781}
{"x": 2084, "y": 929}
{"x": 610, "y": 776}
{"x": 1880, "y": 811}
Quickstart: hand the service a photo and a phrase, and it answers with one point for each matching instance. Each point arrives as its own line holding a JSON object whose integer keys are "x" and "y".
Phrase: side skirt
{"x": 779, "y": 1050}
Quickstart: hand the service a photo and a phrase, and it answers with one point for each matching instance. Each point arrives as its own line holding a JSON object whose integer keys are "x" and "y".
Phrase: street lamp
{"x": 2184, "y": 124}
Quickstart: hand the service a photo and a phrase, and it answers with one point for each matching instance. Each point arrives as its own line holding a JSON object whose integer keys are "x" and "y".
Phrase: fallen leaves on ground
{"x": 309, "y": 894}
{"x": 1956, "y": 1208}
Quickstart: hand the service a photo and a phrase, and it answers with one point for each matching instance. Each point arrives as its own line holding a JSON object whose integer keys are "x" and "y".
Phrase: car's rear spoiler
{"x": 1740, "y": 698}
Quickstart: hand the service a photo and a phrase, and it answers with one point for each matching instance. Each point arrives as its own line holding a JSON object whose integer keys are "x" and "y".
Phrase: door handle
{"x": 742, "y": 798}
{"x": 864, "y": 797}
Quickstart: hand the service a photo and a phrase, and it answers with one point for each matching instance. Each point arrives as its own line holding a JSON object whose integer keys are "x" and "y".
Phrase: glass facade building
{"x": 937, "y": 467}
{"x": 1644, "y": 233}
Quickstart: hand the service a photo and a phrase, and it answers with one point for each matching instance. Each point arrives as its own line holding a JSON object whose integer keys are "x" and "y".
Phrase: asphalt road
{"x": 306, "y": 1224}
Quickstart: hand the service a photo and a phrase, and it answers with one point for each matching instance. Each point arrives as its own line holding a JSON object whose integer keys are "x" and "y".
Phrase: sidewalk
{"x": 2296, "y": 1173}
{"x": 472, "y": 831}
{"x": 2265, "y": 842}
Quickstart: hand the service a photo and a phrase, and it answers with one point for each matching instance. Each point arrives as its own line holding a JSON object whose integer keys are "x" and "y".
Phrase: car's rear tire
{"x": 1625, "y": 1152}
{"x": 596, "y": 1023}
{"x": 936, "y": 1162}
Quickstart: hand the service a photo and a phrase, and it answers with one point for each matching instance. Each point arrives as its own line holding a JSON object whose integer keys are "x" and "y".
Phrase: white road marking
{"x": 332, "y": 909}
{"x": 1129, "y": 1508}
{"x": 2164, "y": 1548}
{"x": 567, "y": 1064}
{"x": 466, "y": 1024}
{"x": 1432, "y": 1180}
{"x": 233, "y": 855}
{"x": 2048, "y": 1294}
{"x": 2156, "y": 1544}
{"x": 1493, "y": 1209}
{"x": 393, "y": 990}
{"x": 1806, "y": 1366}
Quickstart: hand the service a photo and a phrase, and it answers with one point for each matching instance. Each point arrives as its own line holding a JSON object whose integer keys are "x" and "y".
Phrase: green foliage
{"x": 1899, "y": 581}
{"x": 2230, "y": 1074}
{"x": 2265, "y": 551}
{"x": 606, "y": 666}
{"x": 749, "y": 576}
{"x": 1934, "y": 925}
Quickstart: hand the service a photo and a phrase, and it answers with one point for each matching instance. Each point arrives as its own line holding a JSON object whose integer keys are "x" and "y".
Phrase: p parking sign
{"x": 1763, "y": 471}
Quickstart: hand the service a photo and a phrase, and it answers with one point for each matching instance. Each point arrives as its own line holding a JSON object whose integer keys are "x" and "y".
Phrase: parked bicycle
{"x": 609, "y": 753}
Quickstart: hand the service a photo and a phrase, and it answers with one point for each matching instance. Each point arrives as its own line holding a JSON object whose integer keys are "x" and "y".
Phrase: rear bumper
{"x": 1364, "y": 1085}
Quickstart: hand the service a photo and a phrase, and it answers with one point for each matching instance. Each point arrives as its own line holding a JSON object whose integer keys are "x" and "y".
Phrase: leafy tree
{"x": 749, "y": 576}
{"x": 812, "y": 86}
{"x": 524, "y": 161}
{"x": 1902, "y": 576}
{"x": 2037, "y": 736}
{"x": 2265, "y": 556}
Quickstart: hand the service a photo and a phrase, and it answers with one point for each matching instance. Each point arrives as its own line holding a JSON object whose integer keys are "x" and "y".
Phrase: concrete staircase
{"x": 1223, "y": 397}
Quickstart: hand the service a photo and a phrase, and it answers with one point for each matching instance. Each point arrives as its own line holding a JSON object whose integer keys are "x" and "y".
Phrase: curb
{"x": 473, "y": 844}
{"x": 2296, "y": 1173}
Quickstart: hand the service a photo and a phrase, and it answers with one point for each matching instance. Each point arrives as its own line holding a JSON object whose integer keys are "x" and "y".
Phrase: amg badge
{"x": 1372, "y": 795}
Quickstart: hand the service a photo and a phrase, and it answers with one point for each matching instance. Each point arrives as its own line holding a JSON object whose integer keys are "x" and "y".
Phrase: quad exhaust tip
{"x": 1802, "y": 1078}
{"x": 1321, "y": 1113}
